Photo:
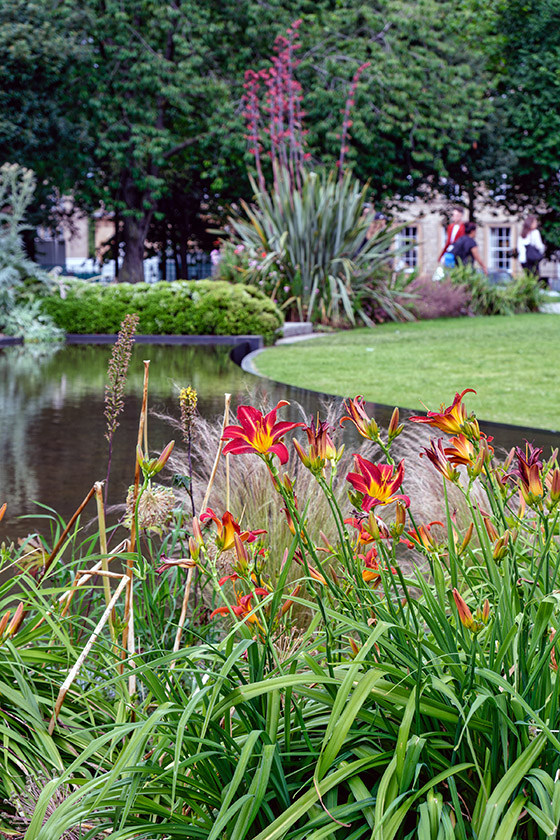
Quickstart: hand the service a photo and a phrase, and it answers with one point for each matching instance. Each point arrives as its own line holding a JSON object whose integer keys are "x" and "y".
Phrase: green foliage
{"x": 522, "y": 294}
{"x": 308, "y": 245}
{"x": 201, "y": 307}
{"x": 21, "y": 280}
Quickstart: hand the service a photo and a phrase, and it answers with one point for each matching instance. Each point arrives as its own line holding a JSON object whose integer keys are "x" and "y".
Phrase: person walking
{"x": 530, "y": 246}
{"x": 466, "y": 250}
{"x": 454, "y": 231}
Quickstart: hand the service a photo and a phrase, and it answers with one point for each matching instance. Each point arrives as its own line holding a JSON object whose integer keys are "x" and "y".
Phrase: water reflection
{"x": 52, "y": 444}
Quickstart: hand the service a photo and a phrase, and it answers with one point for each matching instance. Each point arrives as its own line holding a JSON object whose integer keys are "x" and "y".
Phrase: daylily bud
{"x": 333, "y": 574}
{"x": 3, "y": 510}
{"x": 473, "y": 623}
{"x": 554, "y": 488}
{"x": 465, "y": 615}
{"x": 372, "y": 526}
{"x": 242, "y": 563}
{"x": 400, "y": 519}
{"x": 151, "y": 466}
{"x": 394, "y": 429}
{"x": 466, "y": 538}
{"x": 490, "y": 528}
{"x": 316, "y": 575}
{"x": 4, "y": 621}
{"x": 500, "y": 548}
{"x": 288, "y": 603}
{"x": 197, "y": 533}
{"x": 354, "y": 646}
{"x": 13, "y": 626}
{"x": 509, "y": 459}
{"x": 164, "y": 457}
{"x": 194, "y": 548}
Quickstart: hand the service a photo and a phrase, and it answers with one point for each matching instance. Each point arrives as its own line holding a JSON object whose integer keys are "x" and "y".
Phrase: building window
{"x": 406, "y": 241}
{"x": 500, "y": 247}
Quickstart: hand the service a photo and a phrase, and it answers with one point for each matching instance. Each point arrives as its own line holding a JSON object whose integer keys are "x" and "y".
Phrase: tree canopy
{"x": 138, "y": 105}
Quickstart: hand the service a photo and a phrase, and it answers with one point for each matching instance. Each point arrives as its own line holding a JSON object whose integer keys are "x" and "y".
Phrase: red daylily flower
{"x": 449, "y": 420}
{"x": 357, "y": 414}
{"x": 371, "y": 573}
{"x": 370, "y": 528}
{"x": 421, "y": 537}
{"x": 227, "y": 528}
{"x": 258, "y": 433}
{"x": 378, "y": 482}
{"x": 243, "y": 606}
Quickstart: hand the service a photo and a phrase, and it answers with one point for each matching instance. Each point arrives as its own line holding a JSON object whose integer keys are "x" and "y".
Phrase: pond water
{"x": 52, "y": 426}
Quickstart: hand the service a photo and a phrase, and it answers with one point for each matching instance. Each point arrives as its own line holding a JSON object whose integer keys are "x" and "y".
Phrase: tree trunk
{"x": 134, "y": 236}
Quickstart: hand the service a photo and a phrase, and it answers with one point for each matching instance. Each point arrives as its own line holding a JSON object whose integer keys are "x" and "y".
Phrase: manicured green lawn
{"x": 513, "y": 364}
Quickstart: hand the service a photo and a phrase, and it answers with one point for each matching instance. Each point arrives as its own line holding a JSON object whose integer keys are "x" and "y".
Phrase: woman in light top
{"x": 530, "y": 245}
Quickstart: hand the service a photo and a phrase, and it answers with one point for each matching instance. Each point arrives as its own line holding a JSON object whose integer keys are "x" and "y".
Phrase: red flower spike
{"x": 378, "y": 483}
{"x": 449, "y": 420}
{"x": 257, "y": 433}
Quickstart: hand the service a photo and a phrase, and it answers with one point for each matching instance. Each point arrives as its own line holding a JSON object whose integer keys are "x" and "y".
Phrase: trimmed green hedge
{"x": 193, "y": 307}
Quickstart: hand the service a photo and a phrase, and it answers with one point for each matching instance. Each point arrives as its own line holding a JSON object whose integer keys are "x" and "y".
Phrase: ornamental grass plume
{"x": 188, "y": 399}
{"x": 22, "y": 807}
{"x": 117, "y": 372}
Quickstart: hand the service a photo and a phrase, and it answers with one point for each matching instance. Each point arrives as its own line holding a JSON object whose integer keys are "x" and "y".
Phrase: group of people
{"x": 461, "y": 247}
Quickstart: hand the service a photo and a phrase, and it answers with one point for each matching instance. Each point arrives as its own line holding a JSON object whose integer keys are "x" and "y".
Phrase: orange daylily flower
{"x": 357, "y": 414}
{"x": 227, "y": 528}
{"x": 258, "y": 433}
{"x": 378, "y": 482}
{"x": 449, "y": 420}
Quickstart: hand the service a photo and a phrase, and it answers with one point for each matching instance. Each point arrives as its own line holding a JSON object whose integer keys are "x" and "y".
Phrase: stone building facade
{"x": 497, "y": 233}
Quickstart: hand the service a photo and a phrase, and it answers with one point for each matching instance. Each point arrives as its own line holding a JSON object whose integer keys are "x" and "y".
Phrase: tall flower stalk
{"x": 117, "y": 372}
{"x": 188, "y": 399}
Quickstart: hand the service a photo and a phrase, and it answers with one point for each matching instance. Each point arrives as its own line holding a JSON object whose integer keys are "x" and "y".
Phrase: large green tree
{"x": 154, "y": 89}
{"x": 528, "y": 96}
